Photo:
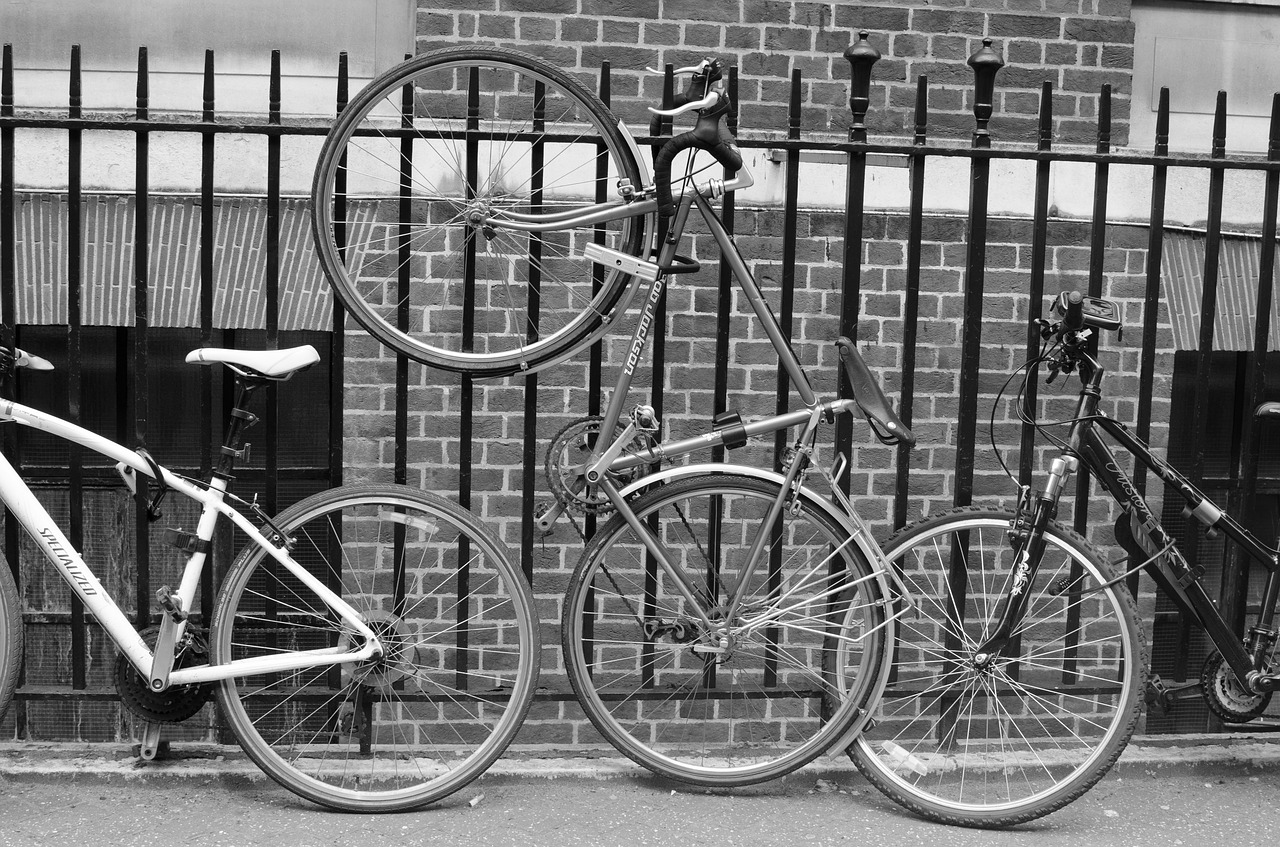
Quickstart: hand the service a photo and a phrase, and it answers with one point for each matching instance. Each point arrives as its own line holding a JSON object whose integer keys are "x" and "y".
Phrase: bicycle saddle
{"x": 886, "y": 425}
{"x": 268, "y": 364}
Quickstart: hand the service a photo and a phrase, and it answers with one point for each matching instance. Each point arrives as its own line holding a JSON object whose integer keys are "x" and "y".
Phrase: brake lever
{"x": 705, "y": 103}
{"x": 699, "y": 68}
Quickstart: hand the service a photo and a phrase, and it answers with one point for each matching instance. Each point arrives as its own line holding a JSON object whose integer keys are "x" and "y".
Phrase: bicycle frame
{"x": 608, "y": 457}
{"x": 1166, "y": 565}
{"x": 155, "y": 666}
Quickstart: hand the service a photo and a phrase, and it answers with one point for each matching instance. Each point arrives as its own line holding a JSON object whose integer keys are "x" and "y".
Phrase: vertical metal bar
{"x": 208, "y": 237}
{"x": 724, "y": 286}
{"x": 75, "y": 362}
{"x": 467, "y": 399}
{"x": 594, "y": 368}
{"x": 142, "y": 201}
{"x": 786, "y": 319}
{"x": 337, "y": 351}
{"x": 985, "y": 63}
{"x": 1151, "y": 300}
{"x": 861, "y": 57}
{"x": 404, "y": 259}
{"x": 337, "y": 339}
{"x": 790, "y": 223}
{"x": 911, "y": 298}
{"x": 1236, "y": 567}
{"x": 1208, "y": 315}
{"x": 8, "y": 260}
{"x": 1097, "y": 257}
{"x": 8, "y": 318}
{"x": 271, "y": 461}
{"x": 528, "y": 477}
{"x": 659, "y": 126}
{"x": 720, "y": 393}
{"x": 1039, "y": 251}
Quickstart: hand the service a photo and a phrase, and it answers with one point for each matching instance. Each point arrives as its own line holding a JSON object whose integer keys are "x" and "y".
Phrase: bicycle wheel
{"x": 460, "y": 650}
{"x": 751, "y": 695}
{"x": 419, "y": 193}
{"x": 11, "y": 632}
{"x": 1037, "y": 727}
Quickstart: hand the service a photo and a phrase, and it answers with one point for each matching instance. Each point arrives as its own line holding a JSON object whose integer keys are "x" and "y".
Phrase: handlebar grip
{"x": 711, "y": 134}
{"x": 1073, "y": 318}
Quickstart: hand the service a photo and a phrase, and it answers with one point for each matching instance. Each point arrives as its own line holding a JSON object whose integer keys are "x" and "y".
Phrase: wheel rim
{"x": 481, "y": 143}
{"x": 1034, "y": 726}
{"x": 763, "y": 706}
{"x": 427, "y": 716}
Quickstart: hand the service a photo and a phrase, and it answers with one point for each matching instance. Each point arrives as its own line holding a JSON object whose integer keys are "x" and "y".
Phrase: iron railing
{"x": 466, "y": 419}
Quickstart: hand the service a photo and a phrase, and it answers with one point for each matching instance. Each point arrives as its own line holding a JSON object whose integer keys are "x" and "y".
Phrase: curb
{"x": 189, "y": 760}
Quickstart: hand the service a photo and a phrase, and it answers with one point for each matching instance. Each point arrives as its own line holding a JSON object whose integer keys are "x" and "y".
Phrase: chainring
{"x": 1225, "y": 696}
{"x": 566, "y": 468}
{"x": 176, "y": 703}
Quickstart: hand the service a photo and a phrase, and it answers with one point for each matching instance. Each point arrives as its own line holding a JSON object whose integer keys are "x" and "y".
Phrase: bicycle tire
{"x": 11, "y": 631}
{"x": 455, "y": 680}
{"x": 1037, "y": 728}
{"x": 458, "y": 133}
{"x": 775, "y": 698}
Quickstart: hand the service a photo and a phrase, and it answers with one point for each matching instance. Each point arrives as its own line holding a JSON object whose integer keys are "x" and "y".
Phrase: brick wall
{"x": 499, "y": 426}
{"x": 1078, "y": 45}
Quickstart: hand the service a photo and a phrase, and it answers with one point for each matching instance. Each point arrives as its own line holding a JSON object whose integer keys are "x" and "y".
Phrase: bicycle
{"x": 1020, "y": 676}
{"x": 727, "y": 624}
{"x": 372, "y": 646}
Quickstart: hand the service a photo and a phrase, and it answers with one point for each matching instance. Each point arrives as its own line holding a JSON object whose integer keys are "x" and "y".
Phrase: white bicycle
{"x": 373, "y": 647}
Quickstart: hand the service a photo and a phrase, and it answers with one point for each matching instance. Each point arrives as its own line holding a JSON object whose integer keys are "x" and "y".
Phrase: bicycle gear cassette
{"x": 1225, "y": 696}
{"x": 176, "y": 703}
{"x": 566, "y": 465}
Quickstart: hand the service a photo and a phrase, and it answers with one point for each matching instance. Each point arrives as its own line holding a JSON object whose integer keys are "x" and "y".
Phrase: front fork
{"x": 1026, "y": 537}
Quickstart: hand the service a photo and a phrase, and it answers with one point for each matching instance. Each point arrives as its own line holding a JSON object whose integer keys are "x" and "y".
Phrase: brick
{"x": 648, "y": 10}
{"x": 1024, "y": 26}
{"x": 1098, "y": 29}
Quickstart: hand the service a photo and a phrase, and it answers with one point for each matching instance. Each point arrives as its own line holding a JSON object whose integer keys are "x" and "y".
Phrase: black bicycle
{"x": 1020, "y": 671}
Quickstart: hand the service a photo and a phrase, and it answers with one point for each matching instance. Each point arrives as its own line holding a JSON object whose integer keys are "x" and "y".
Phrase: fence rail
{"x": 388, "y": 415}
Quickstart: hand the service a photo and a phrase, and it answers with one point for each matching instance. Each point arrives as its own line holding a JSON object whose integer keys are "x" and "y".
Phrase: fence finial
{"x": 861, "y": 56}
{"x": 985, "y": 63}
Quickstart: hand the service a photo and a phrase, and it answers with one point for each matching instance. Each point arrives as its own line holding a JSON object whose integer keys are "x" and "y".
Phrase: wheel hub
{"x": 394, "y": 664}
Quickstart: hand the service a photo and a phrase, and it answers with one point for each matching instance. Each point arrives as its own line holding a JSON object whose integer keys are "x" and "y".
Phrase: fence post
{"x": 75, "y": 369}
{"x": 985, "y": 63}
{"x": 141, "y": 244}
{"x": 911, "y": 297}
{"x": 861, "y": 57}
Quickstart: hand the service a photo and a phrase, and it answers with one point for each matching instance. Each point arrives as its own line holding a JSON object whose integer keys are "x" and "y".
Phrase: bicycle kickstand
{"x": 152, "y": 747}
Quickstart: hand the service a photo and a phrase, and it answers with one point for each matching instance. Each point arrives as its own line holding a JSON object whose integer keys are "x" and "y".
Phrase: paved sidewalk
{"x": 1248, "y": 751}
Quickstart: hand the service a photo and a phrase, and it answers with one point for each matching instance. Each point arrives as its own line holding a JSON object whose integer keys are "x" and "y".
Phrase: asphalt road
{"x": 1196, "y": 807}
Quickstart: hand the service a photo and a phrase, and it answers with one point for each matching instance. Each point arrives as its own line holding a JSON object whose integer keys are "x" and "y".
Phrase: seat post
{"x": 238, "y": 421}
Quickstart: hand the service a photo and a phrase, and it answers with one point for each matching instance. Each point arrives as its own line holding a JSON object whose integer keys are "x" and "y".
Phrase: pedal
{"x": 1163, "y": 696}
{"x": 168, "y": 600}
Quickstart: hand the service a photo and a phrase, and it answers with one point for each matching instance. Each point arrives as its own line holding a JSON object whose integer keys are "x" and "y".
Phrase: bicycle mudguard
{"x": 870, "y": 398}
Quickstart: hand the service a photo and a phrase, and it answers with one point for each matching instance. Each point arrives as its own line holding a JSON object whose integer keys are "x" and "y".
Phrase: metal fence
{"x": 75, "y": 673}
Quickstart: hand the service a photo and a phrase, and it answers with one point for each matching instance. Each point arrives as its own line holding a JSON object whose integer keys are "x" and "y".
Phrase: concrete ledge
{"x": 39, "y": 760}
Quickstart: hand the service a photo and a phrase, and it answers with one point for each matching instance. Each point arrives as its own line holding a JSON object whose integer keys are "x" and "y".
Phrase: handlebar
{"x": 1073, "y": 319}
{"x": 704, "y": 95}
{"x": 1080, "y": 316}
